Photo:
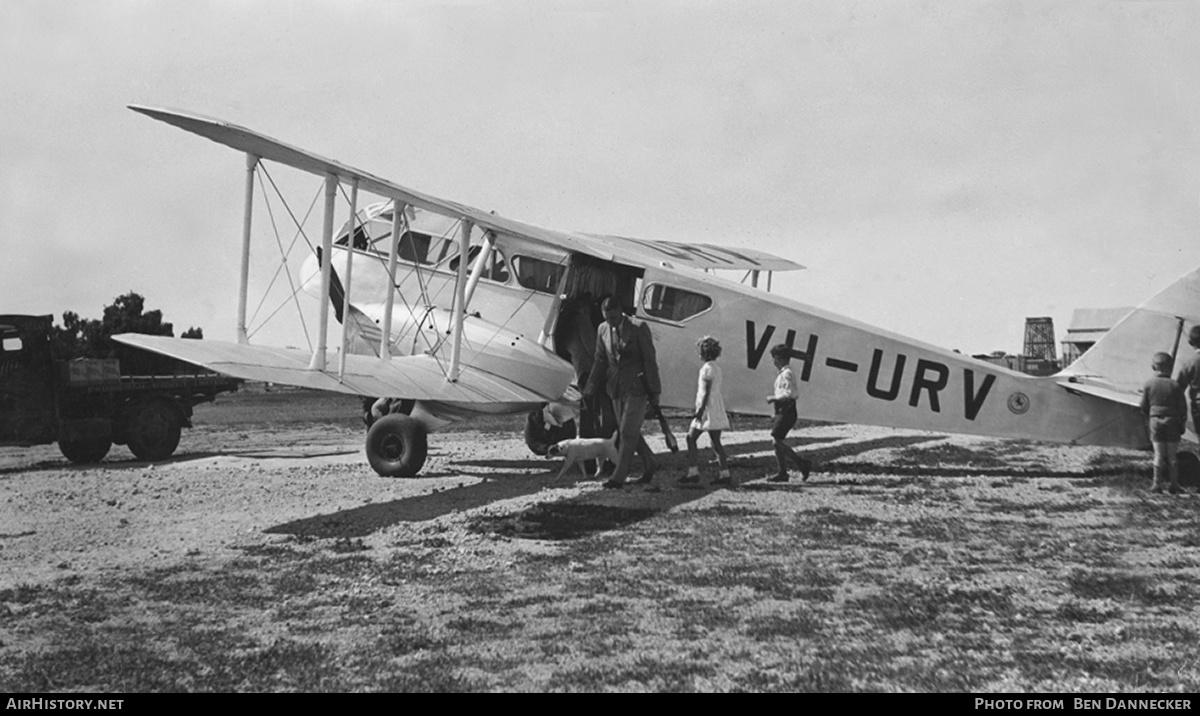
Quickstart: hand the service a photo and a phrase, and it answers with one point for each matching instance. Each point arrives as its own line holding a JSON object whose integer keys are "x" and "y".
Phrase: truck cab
{"x": 27, "y": 404}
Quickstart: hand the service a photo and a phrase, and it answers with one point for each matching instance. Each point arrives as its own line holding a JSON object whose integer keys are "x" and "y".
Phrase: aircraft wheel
{"x": 153, "y": 430}
{"x": 397, "y": 446}
{"x": 1189, "y": 468}
{"x": 85, "y": 450}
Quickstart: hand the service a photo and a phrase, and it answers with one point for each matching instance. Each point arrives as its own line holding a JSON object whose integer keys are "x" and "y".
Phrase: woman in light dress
{"x": 710, "y": 414}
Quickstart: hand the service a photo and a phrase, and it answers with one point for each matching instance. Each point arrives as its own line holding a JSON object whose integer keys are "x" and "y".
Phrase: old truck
{"x": 88, "y": 405}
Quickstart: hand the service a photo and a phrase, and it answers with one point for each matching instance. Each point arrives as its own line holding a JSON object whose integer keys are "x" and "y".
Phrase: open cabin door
{"x": 588, "y": 281}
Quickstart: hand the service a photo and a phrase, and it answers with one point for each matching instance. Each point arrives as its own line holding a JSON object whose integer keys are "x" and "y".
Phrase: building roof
{"x": 1074, "y": 336}
{"x": 1094, "y": 320}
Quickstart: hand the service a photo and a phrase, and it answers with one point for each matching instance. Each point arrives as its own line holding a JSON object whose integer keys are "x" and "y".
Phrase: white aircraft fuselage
{"x": 847, "y": 371}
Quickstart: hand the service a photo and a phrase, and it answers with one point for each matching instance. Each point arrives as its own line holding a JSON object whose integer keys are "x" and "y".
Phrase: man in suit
{"x": 626, "y": 364}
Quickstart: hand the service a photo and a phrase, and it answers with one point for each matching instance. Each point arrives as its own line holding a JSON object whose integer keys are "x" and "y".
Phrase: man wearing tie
{"x": 626, "y": 362}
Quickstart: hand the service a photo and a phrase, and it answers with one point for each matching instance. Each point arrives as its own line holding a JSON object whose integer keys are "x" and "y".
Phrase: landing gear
{"x": 397, "y": 446}
{"x": 376, "y": 408}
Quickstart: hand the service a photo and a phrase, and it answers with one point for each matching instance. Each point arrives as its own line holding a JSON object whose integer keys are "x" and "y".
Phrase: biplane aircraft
{"x": 455, "y": 310}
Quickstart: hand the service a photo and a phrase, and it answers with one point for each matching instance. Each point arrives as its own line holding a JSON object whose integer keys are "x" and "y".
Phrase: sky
{"x": 943, "y": 169}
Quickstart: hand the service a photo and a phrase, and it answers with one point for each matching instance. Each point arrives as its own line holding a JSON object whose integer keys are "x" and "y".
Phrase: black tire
{"x": 397, "y": 446}
{"x": 153, "y": 430}
{"x": 1189, "y": 468}
{"x": 85, "y": 451}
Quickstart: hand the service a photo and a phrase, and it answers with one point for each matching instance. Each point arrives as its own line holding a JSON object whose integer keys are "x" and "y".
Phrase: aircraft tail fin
{"x": 1121, "y": 358}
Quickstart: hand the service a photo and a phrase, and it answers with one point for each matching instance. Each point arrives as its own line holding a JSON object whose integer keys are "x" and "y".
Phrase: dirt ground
{"x": 230, "y": 488}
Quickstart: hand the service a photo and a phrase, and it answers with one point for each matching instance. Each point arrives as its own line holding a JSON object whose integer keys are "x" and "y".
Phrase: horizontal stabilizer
{"x": 1105, "y": 392}
{"x": 419, "y": 377}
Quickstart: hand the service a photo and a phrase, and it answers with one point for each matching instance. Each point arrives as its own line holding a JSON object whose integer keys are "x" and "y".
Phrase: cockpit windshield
{"x": 429, "y": 239}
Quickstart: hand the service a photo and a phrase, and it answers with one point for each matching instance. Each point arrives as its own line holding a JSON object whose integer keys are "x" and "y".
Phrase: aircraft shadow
{"x": 764, "y": 444}
{"x": 560, "y": 517}
{"x": 539, "y": 464}
{"x": 367, "y": 519}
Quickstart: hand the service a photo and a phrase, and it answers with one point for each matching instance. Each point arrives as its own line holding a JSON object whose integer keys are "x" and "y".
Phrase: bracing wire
{"x": 284, "y": 253}
{"x": 428, "y": 296}
{"x": 299, "y": 233}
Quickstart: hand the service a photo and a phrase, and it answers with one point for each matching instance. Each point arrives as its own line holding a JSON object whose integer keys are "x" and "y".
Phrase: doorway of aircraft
{"x": 589, "y": 280}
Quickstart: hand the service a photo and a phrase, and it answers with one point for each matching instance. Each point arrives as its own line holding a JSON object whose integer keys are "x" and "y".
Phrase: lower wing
{"x": 419, "y": 377}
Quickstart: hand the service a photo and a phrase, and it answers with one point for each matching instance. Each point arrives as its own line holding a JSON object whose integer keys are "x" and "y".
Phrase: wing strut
{"x": 1178, "y": 337}
{"x": 560, "y": 292}
{"x": 477, "y": 270}
{"x": 349, "y": 269}
{"x": 318, "y": 357}
{"x": 460, "y": 296}
{"x": 385, "y": 341}
{"x": 244, "y": 286}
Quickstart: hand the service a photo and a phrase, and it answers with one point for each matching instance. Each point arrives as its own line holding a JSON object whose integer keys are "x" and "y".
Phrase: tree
{"x": 126, "y": 315}
{"x": 76, "y": 338}
{"x": 89, "y": 338}
{"x": 193, "y": 333}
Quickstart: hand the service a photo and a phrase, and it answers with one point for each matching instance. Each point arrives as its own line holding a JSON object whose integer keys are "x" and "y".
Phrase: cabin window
{"x": 360, "y": 239}
{"x": 673, "y": 304}
{"x": 365, "y": 233}
{"x": 495, "y": 269}
{"x": 415, "y": 247}
{"x": 423, "y": 249}
{"x": 538, "y": 274}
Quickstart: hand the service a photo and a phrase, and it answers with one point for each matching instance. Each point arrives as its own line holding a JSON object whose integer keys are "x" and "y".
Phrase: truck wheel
{"x": 396, "y": 446}
{"x": 85, "y": 451}
{"x": 153, "y": 430}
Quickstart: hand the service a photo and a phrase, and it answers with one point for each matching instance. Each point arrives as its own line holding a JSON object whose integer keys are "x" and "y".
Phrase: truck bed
{"x": 191, "y": 383}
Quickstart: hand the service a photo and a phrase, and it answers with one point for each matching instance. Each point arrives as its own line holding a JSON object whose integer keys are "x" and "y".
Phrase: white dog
{"x": 579, "y": 450}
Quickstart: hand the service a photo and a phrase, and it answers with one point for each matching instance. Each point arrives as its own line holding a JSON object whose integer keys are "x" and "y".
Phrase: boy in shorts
{"x": 1165, "y": 405}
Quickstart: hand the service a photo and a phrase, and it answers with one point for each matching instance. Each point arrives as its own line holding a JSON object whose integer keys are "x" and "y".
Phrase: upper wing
{"x": 418, "y": 377}
{"x": 697, "y": 256}
{"x": 611, "y": 248}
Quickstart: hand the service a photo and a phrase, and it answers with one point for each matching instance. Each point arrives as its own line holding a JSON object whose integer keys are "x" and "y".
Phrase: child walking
{"x": 784, "y": 401}
{"x": 1165, "y": 405}
{"x": 710, "y": 414}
